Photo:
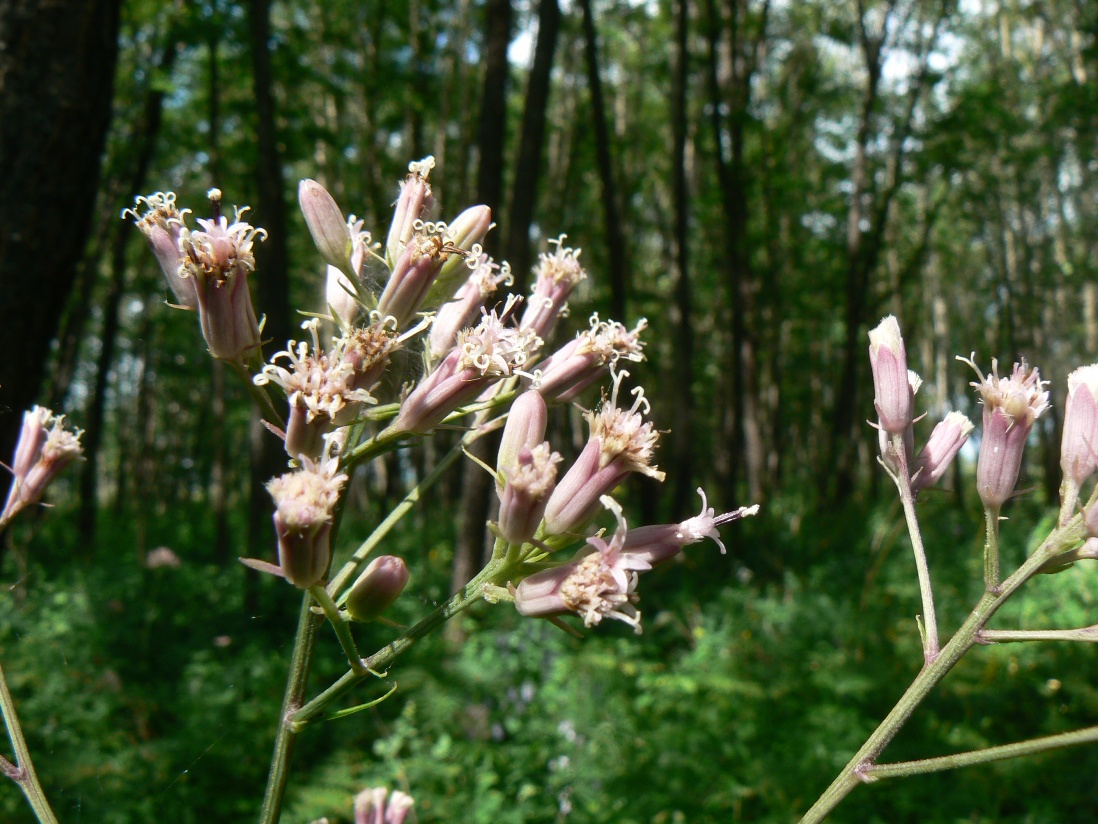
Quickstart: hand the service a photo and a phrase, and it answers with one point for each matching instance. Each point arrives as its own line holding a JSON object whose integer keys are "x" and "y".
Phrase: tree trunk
{"x": 56, "y": 85}
{"x": 268, "y": 458}
{"x": 527, "y": 176}
{"x": 683, "y": 433}
{"x": 618, "y": 264}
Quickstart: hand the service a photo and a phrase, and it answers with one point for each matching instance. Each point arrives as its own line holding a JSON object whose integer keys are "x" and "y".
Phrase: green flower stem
{"x": 259, "y": 395}
{"x": 1002, "y": 636}
{"x": 22, "y": 772}
{"x": 856, "y": 771}
{"x": 991, "y": 549}
{"x": 307, "y": 625}
{"x": 903, "y": 769}
{"x": 380, "y": 660}
{"x": 931, "y": 646}
{"x": 341, "y": 627}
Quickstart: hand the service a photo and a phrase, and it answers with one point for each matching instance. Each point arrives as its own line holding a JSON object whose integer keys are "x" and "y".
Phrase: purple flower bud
{"x": 600, "y": 582}
{"x": 304, "y": 502}
{"x": 326, "y": 224}
{"x": 376, "y": 588}
{"x": 162, "y": 225}
{"x": 1079, "y": 445}
{"x": 371, "y": 807}
{"x": 218, "y": 259}
{"x": 621, "y": 442}
{"x": 1011, "y": 405}
{"x": 556, "y": 275}
{"x": 483, "y": 356}
{"x": 528, "y": 481}
{"x": 894, "y": 386}
{"x": 45, "y": 447}
{"x": 945, "y": 442}
{"x": 656, "y": 544}
{"x": 414, "y": 203}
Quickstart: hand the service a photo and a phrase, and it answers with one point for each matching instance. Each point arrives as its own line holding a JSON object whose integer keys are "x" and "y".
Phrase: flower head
{"x": 413, "y": 204}
{"x": 371, "y": 806}
{"x": 588, "y": 358}
{"x": 45, "y": 447}
{"x": 556, "y": 275}
{"x": 935, "y": 458}
{"x": 527, "y": 483}
{"x": 1011, "y": 406}
{"x": 162, "y": 224}
{"x": 218, "y": 258}
{"x": 600, "y": 582}
{"x": 656, "y": 544}
{"x": 621, "y": 441}
{"x": 321, "y": 387}
{"x": 462, "y": 311}
{"x": 304, "y": 502}
{"x": 376, "y": 588}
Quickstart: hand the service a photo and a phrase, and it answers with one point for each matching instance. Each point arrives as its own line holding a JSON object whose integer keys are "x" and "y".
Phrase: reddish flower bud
{"x": 376, "y": 588}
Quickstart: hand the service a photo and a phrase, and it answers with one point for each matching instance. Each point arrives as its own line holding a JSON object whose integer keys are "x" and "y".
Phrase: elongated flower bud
{"x": 162, "y": 224}
{"x": 525, "y": 428}
{"x": 413, "y": 205}
{"x": 1079, "y": 445}
{"x": 465, "y": 232}
{"x": 894, "y": 388}
{"x": 376, "y": 588}
{"x": 935, "y": 458}
{"x": 326, "y": 224}
{"x": 556, "y": 275}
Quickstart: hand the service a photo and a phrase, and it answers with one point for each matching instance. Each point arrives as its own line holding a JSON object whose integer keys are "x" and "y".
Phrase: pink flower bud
{"x": 45, "y": 447}
{"x": 528, "y": 481}
{"x": 326, "y": 224}
{"x": 557, "y": 274}
{"x": 371, "y": 806}
{"x": 657, "y": 544}
{"x": 525, "y": 428}
{"x": 304, "y": 502}
{"x": 162, "y": 225}
{"x": 945, "y": 442}
{"x": 1011, "y": 405}
{"x": 376, "y": 588}
{"x": 414, "y": 203}
{"x": 894, "y": 388}
{"x": 1079, "y": 445}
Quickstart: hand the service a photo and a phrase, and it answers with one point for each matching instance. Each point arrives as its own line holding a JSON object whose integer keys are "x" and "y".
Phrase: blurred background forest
{"x": 762, "y": 181}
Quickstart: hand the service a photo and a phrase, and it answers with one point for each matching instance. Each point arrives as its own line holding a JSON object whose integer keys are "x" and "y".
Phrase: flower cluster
{"x": 44, "y": 448}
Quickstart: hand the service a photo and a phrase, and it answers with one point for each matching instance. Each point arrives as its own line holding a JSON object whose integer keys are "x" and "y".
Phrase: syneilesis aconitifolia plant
{"x": 429, "y": 290}
{"x": 1011, "y": 405}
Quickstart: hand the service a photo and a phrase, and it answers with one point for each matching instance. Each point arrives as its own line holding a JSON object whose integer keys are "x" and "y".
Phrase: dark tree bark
{"x": 122, "y": 234}
{"x": 524, "y": 187}
{"x": 618, "y": 263}
{"x": 476, "y": 487}
{"x": 683, "y": 434}
{"x": 57, "y": 64}
{"x": 268, "y": 458}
